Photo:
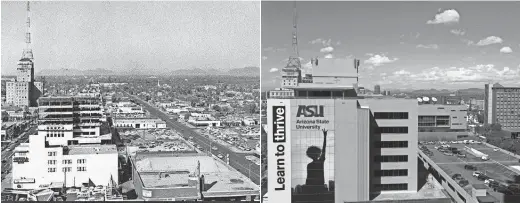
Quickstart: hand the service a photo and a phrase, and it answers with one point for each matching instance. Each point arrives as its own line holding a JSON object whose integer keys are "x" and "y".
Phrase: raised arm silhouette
{"x": 315, "y": 175}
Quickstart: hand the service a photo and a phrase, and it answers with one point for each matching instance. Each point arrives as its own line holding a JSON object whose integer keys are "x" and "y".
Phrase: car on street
{"x": 477, "y": 173}
{"x": 214, "y": 148}
{"x": 220, "y": 156}
{"x": 470, "y": 167}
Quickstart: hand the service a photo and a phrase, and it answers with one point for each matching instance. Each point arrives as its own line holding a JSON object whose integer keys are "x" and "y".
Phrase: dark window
{"x": 391, "y": 158}
{"x": 451, "y": 187}
{"x": 391, "y": 115}
{"x": 387, "y": 187}
{"x": 399, "y": 172}
{"x": 391, "y": 144}
{"x": 393, "y": 129}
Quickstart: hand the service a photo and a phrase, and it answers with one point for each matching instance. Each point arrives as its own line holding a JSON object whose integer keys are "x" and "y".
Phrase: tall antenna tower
{"x": 27, "y": 52}
{"x": 294, "y": 59}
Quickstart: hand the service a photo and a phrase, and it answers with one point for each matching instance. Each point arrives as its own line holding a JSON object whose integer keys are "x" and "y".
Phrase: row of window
{"x": 397, "y": 172}
{"x": 66, "y": 161}
{"x": 393, "y": 129}
{"x": 54, "y": 134}
{"x": 391, "y": 144}
{"x": 391, "y": 115}
{"x": 391, "y": 158}
{"x": 390, "y": 187}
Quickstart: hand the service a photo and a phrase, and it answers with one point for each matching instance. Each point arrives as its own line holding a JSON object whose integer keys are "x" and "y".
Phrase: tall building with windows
{"x": 502, "y": 105}
{"x": 24, "y": 91}
{"x": 377, "y": 89}
{"x": 72, "y": 147}
{"x": 371, "y": 144}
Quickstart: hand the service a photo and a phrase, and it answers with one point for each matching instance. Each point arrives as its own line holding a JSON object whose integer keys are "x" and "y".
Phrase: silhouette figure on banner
{"x": 315, "y": 183}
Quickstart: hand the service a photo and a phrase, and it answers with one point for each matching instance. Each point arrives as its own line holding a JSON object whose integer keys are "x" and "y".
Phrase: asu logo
{"x": 310, "y": 111}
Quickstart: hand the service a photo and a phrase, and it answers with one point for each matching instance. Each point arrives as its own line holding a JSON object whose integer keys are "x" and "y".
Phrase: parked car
{"x": 470, "y": 167}
{"x": 477, "y": 173}
{"x": 220, "y": 156}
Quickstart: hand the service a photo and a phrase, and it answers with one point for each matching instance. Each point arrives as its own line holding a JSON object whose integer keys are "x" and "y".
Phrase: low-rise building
{"x": 189, "y": 177}
{"x": 139, "y": 123}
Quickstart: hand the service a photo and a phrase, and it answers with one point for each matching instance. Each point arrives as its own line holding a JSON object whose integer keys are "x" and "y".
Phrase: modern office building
{"x": 24, "y": 91}
{"x": 439, "y": 121}
{"x": 372, "y": 143}
{"x": 502, "y": 105}
{"x": 377, "y": 89}
{"x": 72, "y": 147}
{"x": 71, "y": 120}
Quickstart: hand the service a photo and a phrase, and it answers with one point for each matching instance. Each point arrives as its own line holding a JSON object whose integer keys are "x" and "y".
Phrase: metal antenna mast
{"x": 294, "y": 59}
{"x": 27, "y": 52}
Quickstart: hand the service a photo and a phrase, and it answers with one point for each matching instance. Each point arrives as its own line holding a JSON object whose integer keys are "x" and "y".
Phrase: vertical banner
{"x": 279, "y": 151}
{"x": 312, "y": 150}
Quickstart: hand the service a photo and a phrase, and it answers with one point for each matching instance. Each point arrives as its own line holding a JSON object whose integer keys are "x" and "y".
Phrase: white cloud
{"x": 324, "y": 42}
{"x": 264, "y": 57}
{"x": 446, "y": 17}
{"x": 490, "y": 40}
{"x": 401, "y": 72}
{"x": 327, "y": 50}
{"x": 428, "y": 46}
{"x": 273, "y": 70}
{"x": 329, "y": 56}
{"x": 467, "y": 42}
{"x": 506, "y": 50}
{"x": 378, "y": 60}
{"x": 477, "y": 73}
{"x": 458, "y": 32}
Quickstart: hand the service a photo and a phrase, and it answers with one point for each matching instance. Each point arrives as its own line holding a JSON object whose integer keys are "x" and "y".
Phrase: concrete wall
{"x": 352, "y": 147}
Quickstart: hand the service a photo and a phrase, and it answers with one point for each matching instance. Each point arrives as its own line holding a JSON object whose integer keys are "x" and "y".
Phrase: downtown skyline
{"x": 418, "y": 45}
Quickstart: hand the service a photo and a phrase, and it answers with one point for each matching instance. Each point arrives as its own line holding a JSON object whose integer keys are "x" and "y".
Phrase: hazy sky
{"x": 156, "y": 36}
{"x": 400, "y": 44}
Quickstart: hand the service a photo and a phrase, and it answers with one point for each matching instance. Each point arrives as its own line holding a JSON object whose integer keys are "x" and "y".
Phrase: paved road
{"x": 236, "y": 160}
{"x": 8, "y": 153}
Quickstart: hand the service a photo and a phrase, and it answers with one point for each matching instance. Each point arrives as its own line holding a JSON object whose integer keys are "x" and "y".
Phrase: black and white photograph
{"x": 130, "y": 101}
{"x": 372, "y": 101}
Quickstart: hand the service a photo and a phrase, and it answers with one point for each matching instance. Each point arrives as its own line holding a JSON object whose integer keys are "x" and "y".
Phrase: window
{"x": 387, "y": 187}
{"x": 391, "y": 158}
{"x": 393, "y": 129}
{"x": 391, "y": 144}
{"x": 82, "y": 161}
{"x": 82, "y": 168}
{"x": 398, "y": 172}
{"x": 51, "y": 170}
{"x": 67, "y": 161}
{"x": 51, "y": 153}
{"x": 51, "y": 162}
{"x": 66, "y": 169}
{"x": 391, "y": 115}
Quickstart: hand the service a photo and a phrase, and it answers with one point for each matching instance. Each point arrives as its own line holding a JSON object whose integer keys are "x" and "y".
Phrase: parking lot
{"x": 494, "y": 168}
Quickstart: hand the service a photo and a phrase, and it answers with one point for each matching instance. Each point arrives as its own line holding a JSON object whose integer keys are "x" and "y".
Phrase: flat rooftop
{"x": 496, "y": 168}
{"x": 431, "y": 190}
{"x": 218, "y": 175}
{"x": 92, "y": 149}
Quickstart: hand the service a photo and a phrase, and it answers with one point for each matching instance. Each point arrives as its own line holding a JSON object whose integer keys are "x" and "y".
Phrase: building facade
{"x": 70, "y": 148}
{"x": 502, "y": 105}
{"x": 371, "y": 144}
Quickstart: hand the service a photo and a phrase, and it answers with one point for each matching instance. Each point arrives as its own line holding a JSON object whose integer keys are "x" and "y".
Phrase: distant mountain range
{"x": 246, "y": 71}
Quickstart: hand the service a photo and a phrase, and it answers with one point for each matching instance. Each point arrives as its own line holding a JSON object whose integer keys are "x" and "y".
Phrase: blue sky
{"x": 162, "y": 36}
{"x": 415, "y": 45}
